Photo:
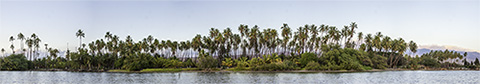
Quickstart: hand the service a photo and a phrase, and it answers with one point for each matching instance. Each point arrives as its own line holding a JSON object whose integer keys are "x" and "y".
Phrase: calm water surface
{"x": 8, "y": 77}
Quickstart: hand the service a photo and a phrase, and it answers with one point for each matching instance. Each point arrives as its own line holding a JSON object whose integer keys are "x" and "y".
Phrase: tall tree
{"x": 352, "y": 26}
{"x": 30, "y": 44}
{"x": 368, "y": 42}
{"x": 386, "y": 44}
{"x": 360, "y": 38}
{"x": 21, "y": 37}
{"x": 377, "y": 41}
{"x": 80, "y": 35}
{"x": 46, "y": 48}
{"x": 286, "y": 34}
{"x": 476, "y": 62}
{"x": 36, "y": 44}
{"x": 413, "y": 47}
{"x": 3, "y": 52}
{"x": 11, "y": 46}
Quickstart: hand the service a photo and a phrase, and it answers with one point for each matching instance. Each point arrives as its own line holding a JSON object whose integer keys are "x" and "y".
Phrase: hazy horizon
{"x": 454, "y": 23}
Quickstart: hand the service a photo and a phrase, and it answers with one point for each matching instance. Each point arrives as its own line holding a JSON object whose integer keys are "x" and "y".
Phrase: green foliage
{"x": 279, "y": 66}
{"x": 117, "y": 70}
{"x": 169, "y": 69}
{"x": 238, "y": 69}
{"x": 476, "y": 62}
{"x": 267, "y": 59}
{"x": 15, "y": 62}
{"x": 337, "y": 59}
{"x": 336, "y": 48}
{"x": 307, "y": 57}
{"x": 379, "y": 62}
{"x": 159, "y": 62}
{"x": 228, "y": 62}
{"x": 206, "y": 61}
{"x": 189, "y": 63}
{"x": 137, "y": 62}
{"x": 367, "y": 68}
{"x": 315, "y": 66}
{"x": 255, "y": 62}
{"x": 430, "y": 62}
{"x": 241, "y": 62}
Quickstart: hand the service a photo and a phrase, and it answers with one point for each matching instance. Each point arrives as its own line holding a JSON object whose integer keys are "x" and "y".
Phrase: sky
{"x": 427, "y": 22}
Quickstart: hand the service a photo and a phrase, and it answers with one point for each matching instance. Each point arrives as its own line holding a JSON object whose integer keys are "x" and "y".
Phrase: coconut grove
{"x": 309, "y": 47}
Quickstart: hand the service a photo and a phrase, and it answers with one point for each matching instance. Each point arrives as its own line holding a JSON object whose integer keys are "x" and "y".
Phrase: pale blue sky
{"x": 455, "y": 23}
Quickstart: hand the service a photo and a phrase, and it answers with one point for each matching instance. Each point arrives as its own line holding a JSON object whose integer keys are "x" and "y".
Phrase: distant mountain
{"x": 443, "y": 47}
{"x": 471, "y": 54}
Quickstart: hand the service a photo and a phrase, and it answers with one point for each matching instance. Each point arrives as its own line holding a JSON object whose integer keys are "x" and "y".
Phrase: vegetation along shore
{"x": 311, "y": 48}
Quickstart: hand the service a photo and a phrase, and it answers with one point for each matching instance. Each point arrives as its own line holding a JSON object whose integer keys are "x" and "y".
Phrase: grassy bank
{"x": 170, "y": 69}
{"x": 158, "y": 70}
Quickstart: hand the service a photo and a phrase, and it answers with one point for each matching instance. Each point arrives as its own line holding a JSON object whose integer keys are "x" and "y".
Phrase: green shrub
{"x": 238, "y": 69}
{"x": 189, "y": 63}
{"x": 16, "y": 62}
{"x": 206, "y": 61}
{"x": 137, "y": 62}
{"x": 314, "y": 66}
{"x": 279, "y": 66}
{"x": 228, "y": 62}
{"x": 430, "y": 62}
{"x": 255, "y": 62}
{"x": 307, "y": 57}
{"x": 379, "y": 62}
{"x": 159, "y": 62}
{"x": 352, "y": 66}
{"x": 343, "y": 59}
{"x": 241, "y": 62}
{"x": 367, "y": 68}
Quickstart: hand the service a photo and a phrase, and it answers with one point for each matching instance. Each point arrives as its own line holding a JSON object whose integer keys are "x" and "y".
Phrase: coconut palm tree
{"x": 36, "y": 45}
{"x": 244, "y": 32}
{"x": 402, "y": 47}
{"x": 80, "y": 35}
{"x": 386, "y": 44}
{"x": 313, "y": 38}
{"x": 53, "y": 53}
{"x": 368, "y": 42}
{"x": 30, "y": 44}
{"x": 197, "y": 43}
{"x": 108, "y": 36}
{"x": 253, "y": 39}
{"x": 413, "y": 47}
{"x": 286, "y": 34}
{"x": 345, "y": 34}
{"x": 273, "y": 35}
{"x": 302, "y": 35}
{"x": 236, "y": 44}
{"x": 352, "y": 26}
{"x": 360, "y": 38}
{"x": 323, "y": 29}
{"x": 11, "y": 46}
{"x": 227, "y": 34}
{"x": 21, "y": 37}
{"x": 3, "y": 52}
{"x": 377, "y": 41}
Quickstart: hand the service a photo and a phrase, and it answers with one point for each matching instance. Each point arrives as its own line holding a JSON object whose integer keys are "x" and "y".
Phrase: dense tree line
{"x": 322, "y": 47}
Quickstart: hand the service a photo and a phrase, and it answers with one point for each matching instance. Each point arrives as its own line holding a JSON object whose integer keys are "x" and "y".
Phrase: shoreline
{"x": 248, "y": 71}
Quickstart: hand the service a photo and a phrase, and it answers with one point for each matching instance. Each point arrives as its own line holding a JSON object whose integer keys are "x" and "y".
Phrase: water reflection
{"x": 8, "y": 77}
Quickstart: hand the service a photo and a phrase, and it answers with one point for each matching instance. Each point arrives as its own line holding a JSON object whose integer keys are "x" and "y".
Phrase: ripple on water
{"x": 8, "y": 77}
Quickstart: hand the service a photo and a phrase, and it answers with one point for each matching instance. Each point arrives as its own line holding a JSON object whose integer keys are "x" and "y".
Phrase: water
{"x": 8, "y": 77}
